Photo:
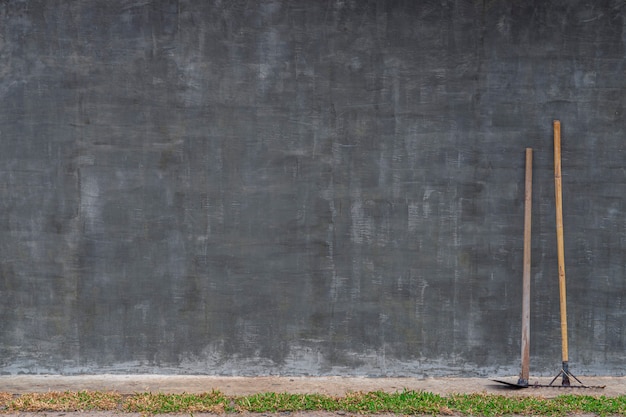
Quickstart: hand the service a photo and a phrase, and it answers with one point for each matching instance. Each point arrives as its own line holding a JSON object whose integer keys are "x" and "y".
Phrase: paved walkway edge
{"x": 128, "y": 384}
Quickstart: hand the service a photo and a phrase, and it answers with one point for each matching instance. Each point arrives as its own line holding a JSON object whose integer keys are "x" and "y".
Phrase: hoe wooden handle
{"x": 526, "y": 271}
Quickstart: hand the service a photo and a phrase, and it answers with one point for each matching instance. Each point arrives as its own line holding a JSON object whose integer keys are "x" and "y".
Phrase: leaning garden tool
{"x": 522, "y": 382}
{"x": 558, "y": 198}
{"x": 565, "y": 372}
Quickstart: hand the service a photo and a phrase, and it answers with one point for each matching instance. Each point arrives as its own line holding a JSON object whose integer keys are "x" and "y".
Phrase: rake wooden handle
{"x": 559, "y": 237}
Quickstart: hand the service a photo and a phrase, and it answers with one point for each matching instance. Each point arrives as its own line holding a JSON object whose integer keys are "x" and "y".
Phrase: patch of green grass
{"x": 498, "y": 405}
{"x": 377, "y": 402}
{"x": 405, "y": 402}
{"x": 601, "y": 406}
{"x": 274, "y": 402}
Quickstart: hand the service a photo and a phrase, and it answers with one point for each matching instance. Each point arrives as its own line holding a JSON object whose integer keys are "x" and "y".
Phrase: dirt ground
{"x": 337, "y": 386}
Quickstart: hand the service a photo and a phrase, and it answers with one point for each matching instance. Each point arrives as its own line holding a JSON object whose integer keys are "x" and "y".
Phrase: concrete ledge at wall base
{"x": 337, "y": 386}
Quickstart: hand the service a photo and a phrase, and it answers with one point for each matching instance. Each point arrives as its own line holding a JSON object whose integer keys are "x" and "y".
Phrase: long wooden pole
{"x": 524, "y": 376}
{"x": 559, "y": 243}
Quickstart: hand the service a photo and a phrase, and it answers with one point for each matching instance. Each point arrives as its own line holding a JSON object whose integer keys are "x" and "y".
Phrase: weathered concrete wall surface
{"x": 308, "y": 187}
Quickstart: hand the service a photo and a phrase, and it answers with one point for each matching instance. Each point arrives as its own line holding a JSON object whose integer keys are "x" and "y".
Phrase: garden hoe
{"x": 522, "y": 382}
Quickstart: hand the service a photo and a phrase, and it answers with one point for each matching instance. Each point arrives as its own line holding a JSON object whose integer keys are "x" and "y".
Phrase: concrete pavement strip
{"x": 329, "y": 385}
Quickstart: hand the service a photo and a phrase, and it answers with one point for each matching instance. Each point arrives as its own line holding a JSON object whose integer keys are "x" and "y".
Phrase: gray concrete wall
{"x": 308, "y": 187}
